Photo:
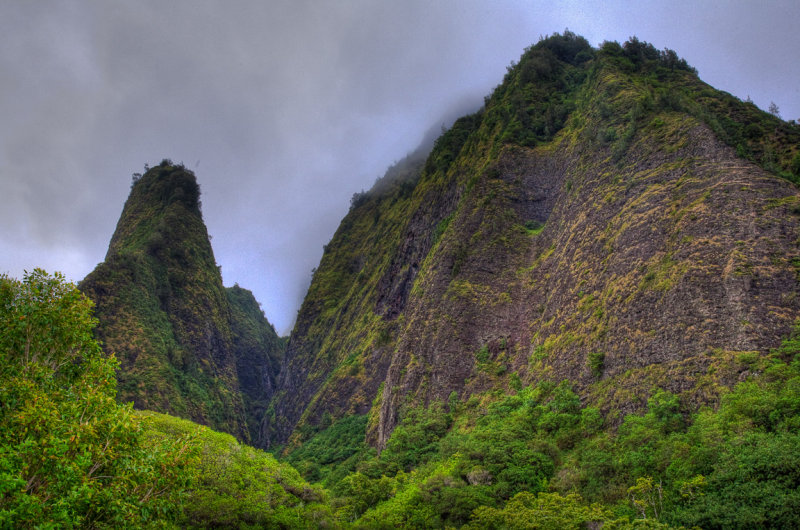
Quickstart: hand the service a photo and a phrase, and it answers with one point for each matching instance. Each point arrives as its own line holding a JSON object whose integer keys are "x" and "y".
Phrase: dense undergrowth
{"x": 504, "y": 461}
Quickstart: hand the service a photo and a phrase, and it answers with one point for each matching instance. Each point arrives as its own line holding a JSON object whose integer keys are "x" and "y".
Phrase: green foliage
{"x": 482, "y": 355}
{"x": 360, "y": 492}
{"x": 544, "y": 510}
{"x": 70, "y": 455}
{"x": 442, "y": 227}
{"x": 539, "y": 93}
{"x": 539, "y": 459}
{"x": 644, "y": 85}
{"x": 241, "y": 487}
{"x": 794, "y": 166}
{"x": 533, "y": 227}
{"x": 449, "y": 144}
{"x": 510, "y": 449}
{"x": 753, "y": 483}
{"x": 416, "y": 439}
{"x": 568, "y": 47}
{"x": 596, "y": 363}
{"x": 358, "y": 199}
{"x": 333, "y": 452}
{"x": 647, "y": 497}
{"x": 731, "y": 467}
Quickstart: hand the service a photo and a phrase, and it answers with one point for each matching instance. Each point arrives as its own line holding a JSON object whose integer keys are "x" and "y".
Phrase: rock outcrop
{"x": 186, "y": 345}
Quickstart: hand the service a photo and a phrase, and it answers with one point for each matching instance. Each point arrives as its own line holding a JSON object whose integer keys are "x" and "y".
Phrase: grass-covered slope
{"x": 181, "y": 338}
{"x": 607, "y": 217}
{"x": 237, "y": 486}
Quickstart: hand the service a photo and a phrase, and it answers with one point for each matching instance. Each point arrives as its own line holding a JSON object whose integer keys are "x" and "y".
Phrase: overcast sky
{"x": 284, "y": 109}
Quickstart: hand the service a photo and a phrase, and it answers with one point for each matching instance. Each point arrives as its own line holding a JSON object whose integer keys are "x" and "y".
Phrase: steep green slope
{"x": 258, "y": 351}
{"x": 183, "y": 340}
{"x": 606, "y": 218}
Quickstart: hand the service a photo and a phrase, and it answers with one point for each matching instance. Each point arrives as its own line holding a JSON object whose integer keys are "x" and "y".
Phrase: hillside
{"x": 187, "y": 345}
{"x": 578, "y": 310}
{"x": 72, "y": 456}
{"x": 607, "y": 218}
{"x": 529, "y": 457}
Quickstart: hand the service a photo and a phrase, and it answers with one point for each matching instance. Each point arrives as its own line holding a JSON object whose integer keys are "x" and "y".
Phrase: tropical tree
{"x": 70, "y": 455}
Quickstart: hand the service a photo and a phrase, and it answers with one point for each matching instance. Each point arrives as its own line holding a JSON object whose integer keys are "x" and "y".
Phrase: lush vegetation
{"x": 539, "y": 459}
{"x": 539, "y": 93}
{"x": 535, "y": 458}
{"x": 522, "y": 451}
{"x": 672, "y": 85}
{"x": 334, "y": 452}
{"x": 237, "y": 486}
{"x": 70, "y": 455}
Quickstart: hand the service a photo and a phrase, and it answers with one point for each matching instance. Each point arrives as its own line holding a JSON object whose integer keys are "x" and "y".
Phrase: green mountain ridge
{"x": 606, "y": 218}
{"x": 187, "y": 345}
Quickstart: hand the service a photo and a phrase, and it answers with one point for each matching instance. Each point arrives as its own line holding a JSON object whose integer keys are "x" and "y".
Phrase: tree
{"x": 773, "y": 109}
{"x": 545, "y": 510}
{"x": 647, "y": 497}
{"x": 70, "y": 455}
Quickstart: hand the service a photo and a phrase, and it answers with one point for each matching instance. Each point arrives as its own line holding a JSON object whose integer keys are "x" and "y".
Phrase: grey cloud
{"x": 289, "y": 107}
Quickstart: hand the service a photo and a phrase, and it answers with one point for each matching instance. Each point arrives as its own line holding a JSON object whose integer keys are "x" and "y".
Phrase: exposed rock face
{"x": 663, "y": 269}
{"x": 607, "y": 218}
{"x": 182, "y": 340}
{"x": 258, "y": 351}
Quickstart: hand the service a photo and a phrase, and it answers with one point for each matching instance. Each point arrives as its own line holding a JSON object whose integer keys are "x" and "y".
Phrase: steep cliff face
{"x": 258, "y": 352}
{"x": 186, "y": 345}
{"x": 606, "y": 218}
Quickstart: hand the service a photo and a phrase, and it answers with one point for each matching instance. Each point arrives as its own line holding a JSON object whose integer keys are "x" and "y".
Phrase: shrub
{"x": 596, "y": 363}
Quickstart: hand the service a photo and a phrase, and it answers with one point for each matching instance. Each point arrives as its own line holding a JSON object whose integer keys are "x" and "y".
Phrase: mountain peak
{"x": 607, "y": 218}
{"x": 187, "y": 346}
